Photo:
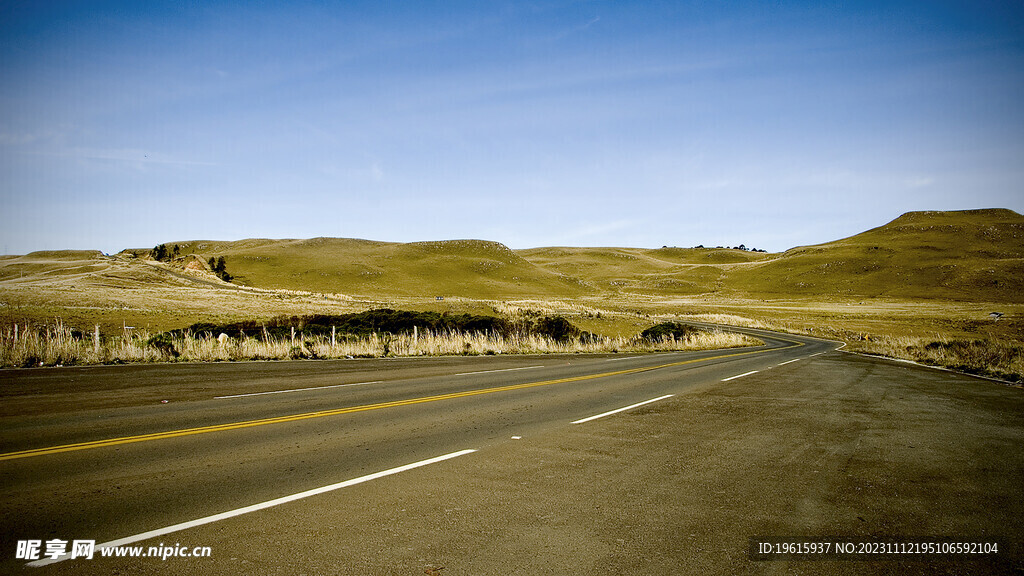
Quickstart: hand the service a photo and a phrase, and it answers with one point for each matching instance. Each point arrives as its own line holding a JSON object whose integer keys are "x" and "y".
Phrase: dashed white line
{"x": 638, "y": 404}
{"x": 789, "y": 362}
{"x": 739, "y": 376}
{"x": 296, "y": 390}
{"x": 261, "y": 505}
{"x": 502, "y": 370}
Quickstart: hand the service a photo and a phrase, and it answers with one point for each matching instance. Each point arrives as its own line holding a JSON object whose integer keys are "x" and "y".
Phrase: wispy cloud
{"x": 596, "y": 230}
{"x": 376, "y": 172}
{"x": 919, "y": 182}
{"x": 576, "y": 29}
{"x": 135, "y": 156}
{"x": 20, "y": 139}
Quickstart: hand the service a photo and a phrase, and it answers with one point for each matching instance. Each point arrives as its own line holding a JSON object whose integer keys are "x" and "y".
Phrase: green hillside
{"x": 637, "y": 270}
{"x": 975, "y": 255}
{"x": 468, "y": 268}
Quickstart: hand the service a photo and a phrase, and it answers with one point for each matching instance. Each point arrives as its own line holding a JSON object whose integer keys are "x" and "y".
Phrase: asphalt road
{"x": 791, "y": 440}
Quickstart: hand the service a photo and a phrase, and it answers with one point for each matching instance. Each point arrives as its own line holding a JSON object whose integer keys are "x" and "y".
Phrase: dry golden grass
{"x": 1002, "y": 359}
{"x": 957, "y": 335}
{"x": 28, "y": 346}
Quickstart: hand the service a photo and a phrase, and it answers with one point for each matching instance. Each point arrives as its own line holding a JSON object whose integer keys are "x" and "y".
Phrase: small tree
{"x": 219, "y": 267}
{"x": 159, "y": 252}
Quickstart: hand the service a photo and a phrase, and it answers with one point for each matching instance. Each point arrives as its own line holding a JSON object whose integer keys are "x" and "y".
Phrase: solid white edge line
{"x": 296, "y": 390}
{"x": 260, "y": 506}
{"x": 623, "y": 409}
{"x": 502, "y": 370}
{"x": 943, "y": 368}
{"x": 739, "y": 376}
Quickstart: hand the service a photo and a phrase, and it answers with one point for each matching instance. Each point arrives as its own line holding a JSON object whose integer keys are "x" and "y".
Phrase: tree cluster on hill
{"x": 745, "y": 249}
{"x": 219, "y": 267}
{"x": 740, "y": 247}
{"x": 161, "y": 253}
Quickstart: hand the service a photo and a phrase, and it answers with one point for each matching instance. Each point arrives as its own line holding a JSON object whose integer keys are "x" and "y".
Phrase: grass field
{"x": 920, "y": 287}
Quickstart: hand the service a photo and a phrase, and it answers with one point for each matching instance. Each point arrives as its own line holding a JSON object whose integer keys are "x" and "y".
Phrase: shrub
{"x": 164, "y": 343}
{"x": 668, "y": 331}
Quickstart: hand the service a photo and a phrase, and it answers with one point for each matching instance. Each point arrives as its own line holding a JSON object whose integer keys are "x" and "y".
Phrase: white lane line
{"x": 296, "y": 390}
{"x": 502, "y": 370}
{"x": 262, "y": 505}
{"x": 739, "y": 376}
{"x": 789, "y": 362}
{"x": 618, "y": 359}
{"x": 623, "y": 409}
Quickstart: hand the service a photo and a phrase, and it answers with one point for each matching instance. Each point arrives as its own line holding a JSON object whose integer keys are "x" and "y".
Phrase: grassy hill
{"x": 636, "y": 270}
{"x": 467, "y": 268}
{"x": 968, "y": 256}
{"x": 974, "y": 255}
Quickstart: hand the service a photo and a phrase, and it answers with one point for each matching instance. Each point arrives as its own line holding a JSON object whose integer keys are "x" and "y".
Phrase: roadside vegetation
{"x": 59, "y": 345}
{"x": 1002, "y": 359}
{"x": 990, "y": 349}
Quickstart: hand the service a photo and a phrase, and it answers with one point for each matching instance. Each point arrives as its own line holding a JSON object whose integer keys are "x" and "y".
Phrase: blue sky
{"x": 589, "y": 123}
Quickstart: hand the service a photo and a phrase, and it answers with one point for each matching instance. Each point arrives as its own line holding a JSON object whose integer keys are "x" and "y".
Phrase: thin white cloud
{"x": 597, "y": 230}
{"x": 920, "y": 182}
{"x": 125, "y": 155}
{"x": 20, "y": 139}
{"x": 577, "y": 29}
{"x": 376, "y": 172}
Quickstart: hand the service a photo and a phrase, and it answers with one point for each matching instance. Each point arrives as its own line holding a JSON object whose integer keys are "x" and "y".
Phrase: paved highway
{"x": 650, "y": 464}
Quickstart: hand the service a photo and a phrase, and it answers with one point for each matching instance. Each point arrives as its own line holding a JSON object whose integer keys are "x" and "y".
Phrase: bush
{"x": 668, "y": 331}
{"x": 359, "y": 324}
{"x": 164, "y": 343}
{"x": 394, "y": 322}
{"x": 557, "y": 328}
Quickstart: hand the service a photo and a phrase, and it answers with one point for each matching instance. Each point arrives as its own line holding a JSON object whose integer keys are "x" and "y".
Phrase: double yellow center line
{"x": 339, "y": 411}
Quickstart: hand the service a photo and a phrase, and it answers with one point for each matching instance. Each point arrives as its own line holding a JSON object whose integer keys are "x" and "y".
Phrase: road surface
{"x": 634, "y": 464}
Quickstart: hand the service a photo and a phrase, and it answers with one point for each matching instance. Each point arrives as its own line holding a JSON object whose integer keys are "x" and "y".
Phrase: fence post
{"x": 332, "y": 337}
{"x": 293, "y": 335}
{"x": 96, "y": 340}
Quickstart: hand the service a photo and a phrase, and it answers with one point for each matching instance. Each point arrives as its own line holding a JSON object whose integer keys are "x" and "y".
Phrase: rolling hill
{"x": 662, "y": 271}
{"x": 466, "y": 268}
{"x": 975, "y": 256}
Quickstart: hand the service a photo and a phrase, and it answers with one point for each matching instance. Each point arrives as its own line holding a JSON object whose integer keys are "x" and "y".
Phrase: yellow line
{"x": 349, "y": 410}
